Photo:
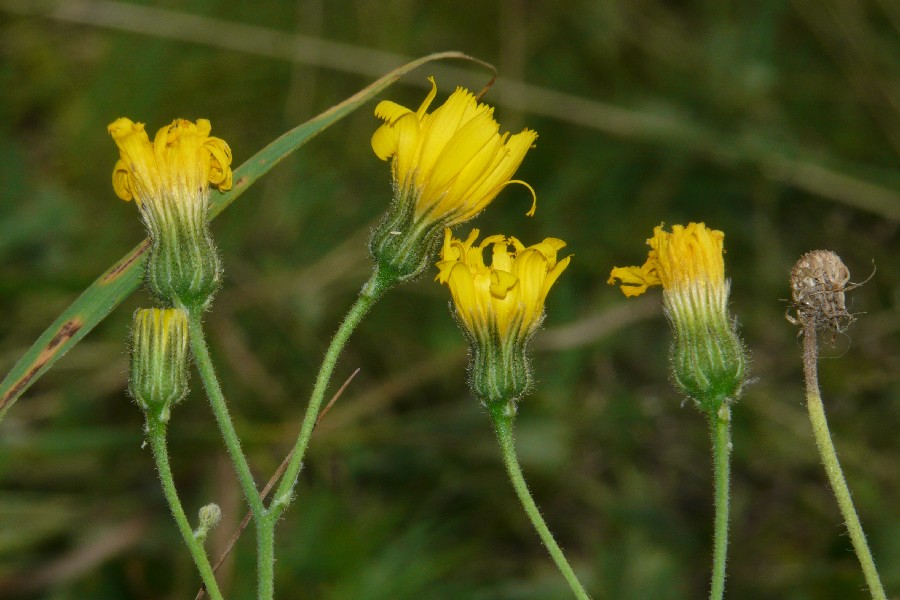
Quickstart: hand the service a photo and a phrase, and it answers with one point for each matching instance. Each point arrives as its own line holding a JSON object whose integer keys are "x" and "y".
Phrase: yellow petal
{"x": 390, "y": 111}
{"x": 443, "y": 125}
{"x": 384, "y": 142}
{"x": 502, "y": 282}
{"x": 121, "y": 181}
{"x": 427, "y": 102}
{"x": 633, "y": 281}
{"x": 453, "y": 161}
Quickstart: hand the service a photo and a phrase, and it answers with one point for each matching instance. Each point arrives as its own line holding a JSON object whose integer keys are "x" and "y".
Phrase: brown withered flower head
{"x": 819, "y": 282}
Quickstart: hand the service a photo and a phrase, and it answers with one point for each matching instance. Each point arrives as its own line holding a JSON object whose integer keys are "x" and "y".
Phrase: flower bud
{"x": 210, "y": 516}
{"x": 159, "y": 365}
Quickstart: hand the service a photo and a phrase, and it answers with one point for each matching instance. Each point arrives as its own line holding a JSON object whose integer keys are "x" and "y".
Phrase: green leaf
{"x": 123, "y": 278}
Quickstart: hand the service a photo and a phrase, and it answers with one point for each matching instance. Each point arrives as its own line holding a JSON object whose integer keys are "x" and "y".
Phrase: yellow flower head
{"x": 169, "y": 180}
{"x": 686, "y": 257}
{"x": 452, "y": 161}
{"x": 181, "y": 161}
{"x": 505, "y": 299}
{"x": 500, "y": 307}
{"x": 708, "y": 358}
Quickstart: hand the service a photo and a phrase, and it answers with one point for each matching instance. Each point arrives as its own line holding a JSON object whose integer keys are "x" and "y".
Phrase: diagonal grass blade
{"x": 123, "y": 278}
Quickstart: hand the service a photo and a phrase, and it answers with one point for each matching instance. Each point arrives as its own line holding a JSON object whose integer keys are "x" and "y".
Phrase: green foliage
{"x": 771, "y": 121}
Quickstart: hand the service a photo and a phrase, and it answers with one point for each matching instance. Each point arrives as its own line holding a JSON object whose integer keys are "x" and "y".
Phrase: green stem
{"x": 156, "y": 430}
{"x": 370, "y": 293}
{"x": 220, "y": 410}
{"x": 265, "y": 557}
{"x": 833, "y": 466}
{"x": 503, "y": 428}
{"x": 720, "y": 423}
{"x": 265, "y": 528}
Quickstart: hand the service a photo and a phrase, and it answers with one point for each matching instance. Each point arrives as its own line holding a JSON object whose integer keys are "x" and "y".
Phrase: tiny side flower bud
{"x": 159, "y": 363}
{"x": 210, "y": 516}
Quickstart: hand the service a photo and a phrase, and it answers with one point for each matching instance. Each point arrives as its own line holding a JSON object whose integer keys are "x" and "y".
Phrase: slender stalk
{"x": 156, "y": 431}
{"x": 265, "y": 557}
{"x": 832, "y": 465}
{"x": 265, "y": 528}
{"x": 268, "y": 488}
{"x": 220, "y": 410}
{"x": 720, "y": 423}
{"x": 503, "y": 428}
{"x": 370, "y": 293}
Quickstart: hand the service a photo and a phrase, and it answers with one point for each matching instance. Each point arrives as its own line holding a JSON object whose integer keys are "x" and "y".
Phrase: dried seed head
{"x": 818, "y": 283}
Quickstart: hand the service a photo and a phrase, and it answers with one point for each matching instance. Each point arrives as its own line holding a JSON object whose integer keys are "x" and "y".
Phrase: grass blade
{"x": 123, "y": 278}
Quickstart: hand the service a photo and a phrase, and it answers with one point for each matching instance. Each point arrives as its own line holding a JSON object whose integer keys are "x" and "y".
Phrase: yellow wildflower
{"x": 688, "y": 256}
{"x": 181, "y": 161}
{"x": 500, "y": 306}
{"x": 169, "y": 180}
{"x": 708, "y": 357}
{"x": 507, "y": 297}
{"x": 447, "y": 166}
{"x": 453, "y": 161}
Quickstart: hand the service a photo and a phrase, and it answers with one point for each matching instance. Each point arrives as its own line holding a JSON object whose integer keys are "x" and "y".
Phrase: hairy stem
{"x": 265, "y": 557}
{"x": 265, "y": 529}
{"x": 156, "y": 431}
{"x": 503, "y": 428}
{"x": 720, "y": 424}
{"x": 832, "y": 465}
{"x": 370, "y": 293}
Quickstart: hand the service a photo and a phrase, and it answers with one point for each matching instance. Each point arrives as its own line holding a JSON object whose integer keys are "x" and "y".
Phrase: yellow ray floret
{"x": 182, "y": 160}
{"x": 689, "y": 255}
{"x": 453, "y": 161}
{"x": 507, "y": 297}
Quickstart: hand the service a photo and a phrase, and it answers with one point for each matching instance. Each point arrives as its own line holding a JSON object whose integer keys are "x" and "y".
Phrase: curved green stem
{"x": 370, "y": 293}
{"x": 156, "y": 431}
{"x": 220, "y": 410}
{"x": 833, "y": 466}
{"x": 265, "y": 529}
{"x": 720, "y": 423}
{"x": 503, "y": 428}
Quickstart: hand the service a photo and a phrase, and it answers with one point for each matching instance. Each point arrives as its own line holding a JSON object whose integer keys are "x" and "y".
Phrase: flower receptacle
{"x": 184, "y": 267}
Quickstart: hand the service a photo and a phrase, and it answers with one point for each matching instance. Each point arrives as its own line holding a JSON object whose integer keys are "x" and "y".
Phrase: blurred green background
{"x": 776, "y": 122}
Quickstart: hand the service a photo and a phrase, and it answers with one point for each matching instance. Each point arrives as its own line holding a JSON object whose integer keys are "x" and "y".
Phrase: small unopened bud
{"x": 819, "y": 281}
{"x": 210, "y": 517}
{"x": 159, "y": 362}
